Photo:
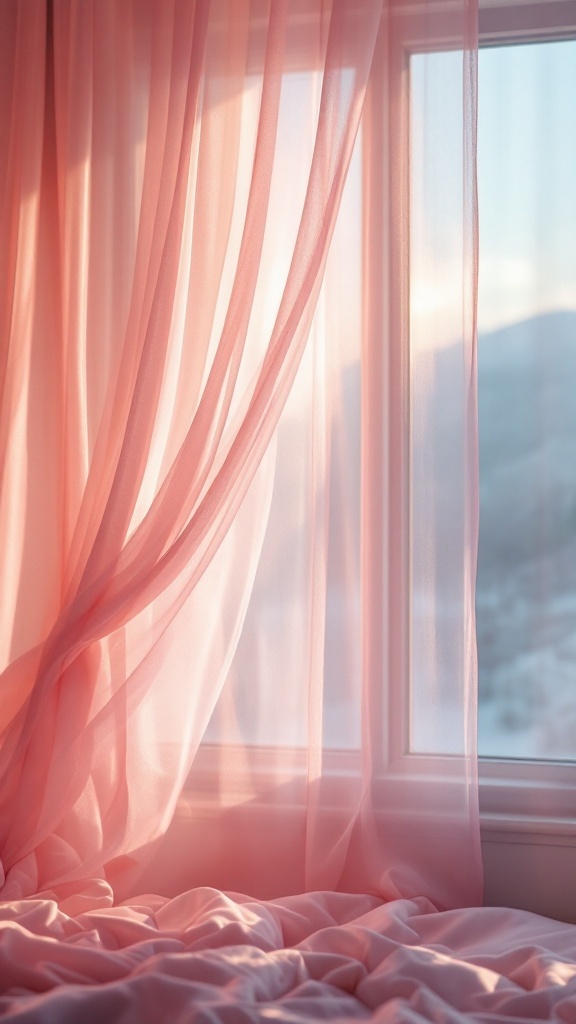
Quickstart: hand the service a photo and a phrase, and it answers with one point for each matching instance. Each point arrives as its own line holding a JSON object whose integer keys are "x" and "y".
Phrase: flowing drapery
{"x": 205, "y": 312}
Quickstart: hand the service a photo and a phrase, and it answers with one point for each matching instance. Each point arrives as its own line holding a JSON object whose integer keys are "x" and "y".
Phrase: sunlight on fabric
{"x": 196, "y": 565}
{"x": 280, "y": 602}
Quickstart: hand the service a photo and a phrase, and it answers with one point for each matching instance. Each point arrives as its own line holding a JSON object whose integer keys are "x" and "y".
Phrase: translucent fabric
{"x": 205, "y": 454}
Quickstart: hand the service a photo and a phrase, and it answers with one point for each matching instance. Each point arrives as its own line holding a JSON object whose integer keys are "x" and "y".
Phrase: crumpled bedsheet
{"x": 206, "y": 957}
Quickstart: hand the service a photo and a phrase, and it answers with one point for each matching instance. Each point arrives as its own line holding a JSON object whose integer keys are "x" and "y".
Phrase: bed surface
{"x": 209, "y": 957}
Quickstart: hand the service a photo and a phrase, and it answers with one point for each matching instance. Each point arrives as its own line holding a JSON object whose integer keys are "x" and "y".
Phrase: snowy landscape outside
{"x": 526, "y": 584}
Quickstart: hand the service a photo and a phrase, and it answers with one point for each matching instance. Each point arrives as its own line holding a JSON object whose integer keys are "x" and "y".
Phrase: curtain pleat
{"x": 203, "y": 298}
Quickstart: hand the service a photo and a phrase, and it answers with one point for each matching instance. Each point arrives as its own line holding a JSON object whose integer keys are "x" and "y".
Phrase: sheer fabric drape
{"x": 199, "y": 439}
{"x": 342, "y": 751}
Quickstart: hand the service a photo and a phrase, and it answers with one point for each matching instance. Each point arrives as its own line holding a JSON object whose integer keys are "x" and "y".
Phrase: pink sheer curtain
{"x": 204, "y": 314}
{"x": 342, "y": 750}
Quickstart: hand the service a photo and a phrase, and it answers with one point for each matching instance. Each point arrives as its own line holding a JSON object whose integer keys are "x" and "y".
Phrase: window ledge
{"x": 535, "y": 801}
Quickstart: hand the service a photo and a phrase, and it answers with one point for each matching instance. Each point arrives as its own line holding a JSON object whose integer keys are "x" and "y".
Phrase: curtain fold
{"x": 206, "y": 324}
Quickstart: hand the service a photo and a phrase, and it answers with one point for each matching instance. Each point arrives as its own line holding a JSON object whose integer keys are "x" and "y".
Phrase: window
{"x": 527, "y": 195}
{"x": 526, "y": 587}
{"x": 527, "y": 804}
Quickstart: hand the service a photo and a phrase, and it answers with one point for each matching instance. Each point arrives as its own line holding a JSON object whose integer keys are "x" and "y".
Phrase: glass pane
{"x": 437, "y": 495}
{"x": 526, "y": 587}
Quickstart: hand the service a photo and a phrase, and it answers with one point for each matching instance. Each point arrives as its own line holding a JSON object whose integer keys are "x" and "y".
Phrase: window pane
{"x": 439, "y": 286}
{"x": 526, "y": 587}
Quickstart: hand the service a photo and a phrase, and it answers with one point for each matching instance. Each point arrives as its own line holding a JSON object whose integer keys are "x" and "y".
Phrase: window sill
{"x": 533, "y": 801}
{"x": 517, "y": 798}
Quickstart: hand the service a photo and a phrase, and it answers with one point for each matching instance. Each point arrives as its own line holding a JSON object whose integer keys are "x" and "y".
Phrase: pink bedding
{"x": 208, "y": 957}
